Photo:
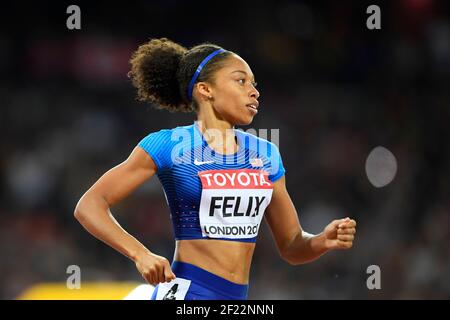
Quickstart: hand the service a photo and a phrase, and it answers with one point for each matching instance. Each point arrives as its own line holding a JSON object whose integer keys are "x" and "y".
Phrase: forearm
{"x": 94, "y": 214}
{"x": 305, "y": 248}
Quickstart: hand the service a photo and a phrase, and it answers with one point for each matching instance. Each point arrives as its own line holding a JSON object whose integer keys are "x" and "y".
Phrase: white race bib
{"x": 173, "y": 290}
{"x": 233, "y": 202}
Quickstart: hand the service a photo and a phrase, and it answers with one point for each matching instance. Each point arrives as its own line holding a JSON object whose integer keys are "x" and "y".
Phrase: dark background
{"x": 333, "y": 88}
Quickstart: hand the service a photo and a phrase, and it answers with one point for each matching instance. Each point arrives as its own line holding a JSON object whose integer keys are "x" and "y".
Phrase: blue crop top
{"x": 212, "y": 195}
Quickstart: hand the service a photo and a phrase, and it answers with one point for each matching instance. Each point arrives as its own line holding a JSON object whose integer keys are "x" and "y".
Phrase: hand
{"x": 153, "y": 268}
{"x": 339, "y": 234}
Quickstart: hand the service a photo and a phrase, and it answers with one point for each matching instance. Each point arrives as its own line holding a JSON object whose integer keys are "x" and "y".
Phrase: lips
{"x": 253, "y": 105}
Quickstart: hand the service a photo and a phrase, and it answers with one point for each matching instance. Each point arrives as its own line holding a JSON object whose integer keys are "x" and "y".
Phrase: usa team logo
{"x": 256, "y": 162}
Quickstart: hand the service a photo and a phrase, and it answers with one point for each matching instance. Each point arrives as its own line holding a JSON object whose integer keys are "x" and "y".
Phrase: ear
{"x": 204, "y": 90}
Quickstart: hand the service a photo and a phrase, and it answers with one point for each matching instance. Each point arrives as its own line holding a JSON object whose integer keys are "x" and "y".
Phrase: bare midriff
{"x": 227, "y": 259}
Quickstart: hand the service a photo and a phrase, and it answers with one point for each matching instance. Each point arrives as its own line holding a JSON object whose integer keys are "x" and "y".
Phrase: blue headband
{"x": 199, "y": 69}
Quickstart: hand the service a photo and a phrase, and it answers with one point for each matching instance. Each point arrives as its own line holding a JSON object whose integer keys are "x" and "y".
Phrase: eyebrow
{"x": 243, "y": 73}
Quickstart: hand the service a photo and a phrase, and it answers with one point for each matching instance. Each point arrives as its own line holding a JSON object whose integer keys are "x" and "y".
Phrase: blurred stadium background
{"x": 335, "y": 89}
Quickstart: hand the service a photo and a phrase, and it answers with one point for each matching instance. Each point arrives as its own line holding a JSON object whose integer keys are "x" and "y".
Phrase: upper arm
{"x": 123, "y": 179}
{"x": 281, "y": 216}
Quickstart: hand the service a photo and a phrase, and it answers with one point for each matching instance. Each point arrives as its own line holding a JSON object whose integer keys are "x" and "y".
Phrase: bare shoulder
{"x": 139, "y": 158}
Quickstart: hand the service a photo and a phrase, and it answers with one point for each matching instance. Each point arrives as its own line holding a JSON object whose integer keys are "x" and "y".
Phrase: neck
{"x": 217, "y": 132}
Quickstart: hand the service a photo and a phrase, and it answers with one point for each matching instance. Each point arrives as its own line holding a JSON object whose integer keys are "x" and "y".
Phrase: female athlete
{"x": 219, "y": 182}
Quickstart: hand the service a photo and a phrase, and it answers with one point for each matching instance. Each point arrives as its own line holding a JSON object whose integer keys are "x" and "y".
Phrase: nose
{"x": 254, "y": 93}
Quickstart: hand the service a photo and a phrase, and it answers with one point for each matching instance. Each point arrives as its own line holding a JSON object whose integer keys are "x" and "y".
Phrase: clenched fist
{"x": 155, "y": 269}
{"x": 339, "y": 234}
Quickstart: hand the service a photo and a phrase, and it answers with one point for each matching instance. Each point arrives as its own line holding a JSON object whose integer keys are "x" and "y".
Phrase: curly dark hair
{"x": 162, "y": 69}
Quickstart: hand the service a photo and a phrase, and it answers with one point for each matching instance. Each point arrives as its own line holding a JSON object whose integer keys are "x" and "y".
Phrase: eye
{"x": 242, "y": 81}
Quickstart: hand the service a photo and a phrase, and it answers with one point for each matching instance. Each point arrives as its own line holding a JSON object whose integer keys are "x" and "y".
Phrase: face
{"x": 234, "y": 96}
